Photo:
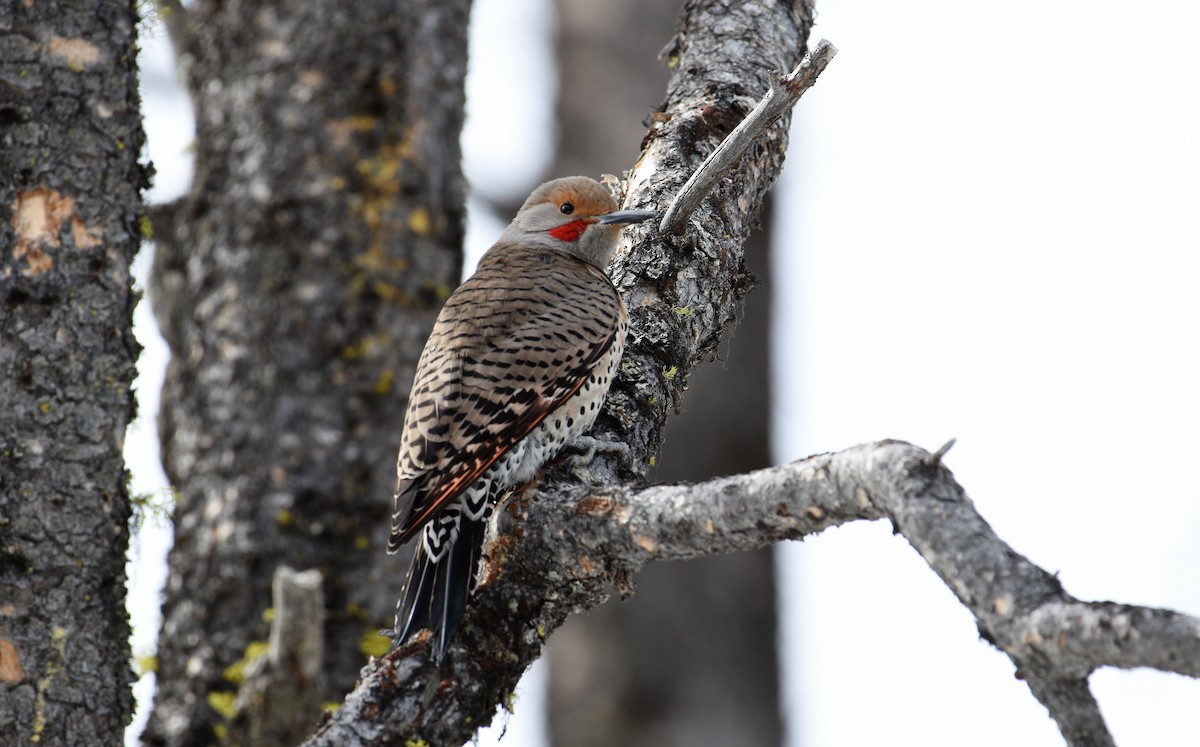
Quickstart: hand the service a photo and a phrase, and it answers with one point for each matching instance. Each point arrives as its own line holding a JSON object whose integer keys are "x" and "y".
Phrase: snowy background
{"x": 989, "y": 229}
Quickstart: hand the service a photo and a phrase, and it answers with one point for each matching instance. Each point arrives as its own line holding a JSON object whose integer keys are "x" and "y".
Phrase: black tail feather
{"x": 436, "y": 593}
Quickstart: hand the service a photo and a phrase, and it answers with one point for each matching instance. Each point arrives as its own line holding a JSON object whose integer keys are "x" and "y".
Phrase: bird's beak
{"x": 626, "y": 216}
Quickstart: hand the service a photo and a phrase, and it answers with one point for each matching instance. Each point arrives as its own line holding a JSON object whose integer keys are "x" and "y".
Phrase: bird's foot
{"x": 587, "y": 447}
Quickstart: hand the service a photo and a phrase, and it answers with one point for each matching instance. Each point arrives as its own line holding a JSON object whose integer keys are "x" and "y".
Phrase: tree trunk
{"x": 70, "y": 196}
{"x": 296, "y": 290}
{"x": 623, "y": 674}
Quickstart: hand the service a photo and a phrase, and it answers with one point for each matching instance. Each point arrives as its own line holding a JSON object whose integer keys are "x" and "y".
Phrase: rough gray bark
{"x": 629, "y": 673}
{"x": 70, "y": 196}
{"x": 296, "y": 285}
{"x": 683, "y": 294}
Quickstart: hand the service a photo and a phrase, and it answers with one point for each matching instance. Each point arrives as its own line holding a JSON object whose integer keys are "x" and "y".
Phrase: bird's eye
{"x": 566, "y": 208}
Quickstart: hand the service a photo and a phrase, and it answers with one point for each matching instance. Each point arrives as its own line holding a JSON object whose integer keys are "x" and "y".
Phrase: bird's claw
{"x": 587, "y": 447}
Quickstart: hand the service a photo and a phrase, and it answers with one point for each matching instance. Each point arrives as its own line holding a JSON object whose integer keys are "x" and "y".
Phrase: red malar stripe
{"x": 569, "y": 232}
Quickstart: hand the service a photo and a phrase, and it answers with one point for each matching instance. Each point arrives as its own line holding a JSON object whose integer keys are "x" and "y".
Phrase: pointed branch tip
{"x": 935, "y": 458}
{"x": 782, "y": 95}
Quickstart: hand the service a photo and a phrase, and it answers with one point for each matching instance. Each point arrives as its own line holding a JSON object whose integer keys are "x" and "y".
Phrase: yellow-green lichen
{"x": 53, "y": 668}
{"x": 284, "y": 518}
{"x": 670, "y": 372}
{"x": 391, "y": 292}
{"x": 145, "y": 226}
{"x": 222, "y": 703}
{"x": 419, "y": 221}
{"x": 268, "y": 615}
{"x": 155, "y": 507}
{"x": 358, "y": 350}
{"x": 143, "y": 665}
{"x": 373, "y": 644}
{"x": 383, "y": 385}
{"x": 235, "y": 673}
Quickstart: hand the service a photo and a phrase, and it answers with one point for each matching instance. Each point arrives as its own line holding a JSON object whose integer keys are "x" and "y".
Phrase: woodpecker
{"x": 517, "y": 365}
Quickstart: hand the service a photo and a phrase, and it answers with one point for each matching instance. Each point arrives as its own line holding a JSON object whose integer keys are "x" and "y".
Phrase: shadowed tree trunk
{"x": 647, "y": 671}
{"x": 296, "y": 285}
{"x": 70, "y": 135}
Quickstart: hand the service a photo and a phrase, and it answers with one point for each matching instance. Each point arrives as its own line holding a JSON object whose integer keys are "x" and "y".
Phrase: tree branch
{"x": 785, "y": 91}
{"x": 578, "y": 545}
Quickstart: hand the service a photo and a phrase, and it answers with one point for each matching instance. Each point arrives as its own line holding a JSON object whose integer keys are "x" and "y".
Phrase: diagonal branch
{"x": 782, "y": 96}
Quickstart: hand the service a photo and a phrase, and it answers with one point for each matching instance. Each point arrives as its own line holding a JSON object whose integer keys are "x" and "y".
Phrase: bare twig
{"x": 940, "y": 454}
{"x": 782, "y": 96}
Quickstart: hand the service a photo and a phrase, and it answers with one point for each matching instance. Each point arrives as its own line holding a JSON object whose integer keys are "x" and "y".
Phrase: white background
{"x": 988, "y": 229}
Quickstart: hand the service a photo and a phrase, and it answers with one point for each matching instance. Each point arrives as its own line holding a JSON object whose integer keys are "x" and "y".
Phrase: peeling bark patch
{"x": 597, "y": 505}
{"x": 84, "y": 236}
{"x": 588, "y": 566}
{"x": 38, "y": 215}
{"x": 646, "y": 543}
{"x": 10, "y": 663}
{"x": 78, "y": 54}
{"x": 1003, "y": 604}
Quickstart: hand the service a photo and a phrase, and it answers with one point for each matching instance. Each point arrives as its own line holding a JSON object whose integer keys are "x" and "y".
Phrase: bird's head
{"x": 576, "y": 215}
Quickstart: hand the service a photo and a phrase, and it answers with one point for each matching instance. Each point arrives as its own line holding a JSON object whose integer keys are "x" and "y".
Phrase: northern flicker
{"x": 517, "y": 365}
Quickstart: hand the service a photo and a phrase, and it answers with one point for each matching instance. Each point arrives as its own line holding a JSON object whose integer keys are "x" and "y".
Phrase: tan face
{"x": 575, "y": 215}
{"x": 563, "y": 214}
